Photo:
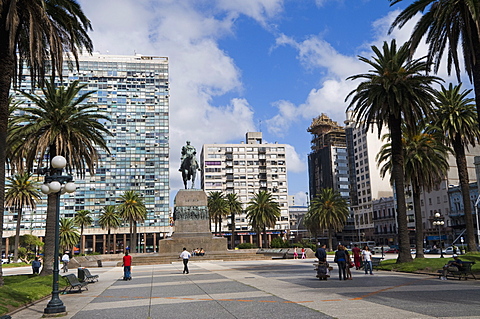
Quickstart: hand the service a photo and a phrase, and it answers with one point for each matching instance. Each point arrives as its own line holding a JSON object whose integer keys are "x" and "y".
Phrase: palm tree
{"x": 330, "y": 211}
{"x": 59, "y": 125}
{"x": 448, "y": 23}
{"x": 234, "y": 206}
{"x": 217, "y": 207}
{"x": 132, "y": 209}
{"x": 457, "y": 119}
{"x": 425, "y": 164}
{"x": 108, "y": 220}
{"x": 263, "y": 212}
{"x": 395, "y": 91}
{"x": 21, "y": 192}
{"x": 69, "y": 235}
{"x": 35, "y": 33}
{"x": 82, "y": 219}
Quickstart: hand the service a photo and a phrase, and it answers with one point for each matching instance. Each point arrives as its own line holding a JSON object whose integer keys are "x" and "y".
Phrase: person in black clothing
{"x": 341, "y": 260}
{"x": 321, "y": 253}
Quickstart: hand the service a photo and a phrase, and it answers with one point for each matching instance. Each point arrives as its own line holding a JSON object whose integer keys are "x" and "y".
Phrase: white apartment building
{"x": 367, "y": 184}
{"x": 246, "y": 169}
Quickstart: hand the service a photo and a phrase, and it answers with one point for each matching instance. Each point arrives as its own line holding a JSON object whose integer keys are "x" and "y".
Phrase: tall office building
{"x": 328, "y": 166}
{"x": 246, "y": 169}
{"x": 367, "y": 183}
{"x": 328, "y": 161}
{"x": 133, "y": 91}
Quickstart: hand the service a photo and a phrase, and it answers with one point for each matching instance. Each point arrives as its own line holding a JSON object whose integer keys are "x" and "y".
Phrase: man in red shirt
{"x": 127, "y": 266}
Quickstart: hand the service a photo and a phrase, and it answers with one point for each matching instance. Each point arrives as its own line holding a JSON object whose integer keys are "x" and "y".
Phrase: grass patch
{"x": 13, "y": 265}
{"x": 23, "y": 289}
{"x": 428, "y": 264}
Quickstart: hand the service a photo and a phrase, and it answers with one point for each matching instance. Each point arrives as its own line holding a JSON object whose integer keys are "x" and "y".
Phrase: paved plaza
{"x": 264, "y": 289}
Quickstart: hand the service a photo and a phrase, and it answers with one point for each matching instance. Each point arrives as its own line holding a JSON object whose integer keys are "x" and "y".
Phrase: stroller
{"x": 323, "y": 270}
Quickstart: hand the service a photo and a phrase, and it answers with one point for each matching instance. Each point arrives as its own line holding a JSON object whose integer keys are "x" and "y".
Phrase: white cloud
{"x": 294, "y": 162}
{"x": 199, "y": 68}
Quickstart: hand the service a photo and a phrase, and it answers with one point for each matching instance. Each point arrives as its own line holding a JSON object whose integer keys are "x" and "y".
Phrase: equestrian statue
{"x": 189, "y": 164}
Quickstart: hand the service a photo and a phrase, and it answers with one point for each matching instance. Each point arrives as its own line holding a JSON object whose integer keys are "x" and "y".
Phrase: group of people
{"x": 345, "y": 262}
{"x": 198, "y": 252}
{"x": 185, "y": 256}
{"x": 295, "y": 253}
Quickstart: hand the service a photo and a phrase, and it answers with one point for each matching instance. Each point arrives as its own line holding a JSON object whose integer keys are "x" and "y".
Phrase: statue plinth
{"x": 192, "y": 225}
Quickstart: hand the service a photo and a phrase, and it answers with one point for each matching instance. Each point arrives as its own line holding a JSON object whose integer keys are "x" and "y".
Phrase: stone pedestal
{"x": 191, "y": 225}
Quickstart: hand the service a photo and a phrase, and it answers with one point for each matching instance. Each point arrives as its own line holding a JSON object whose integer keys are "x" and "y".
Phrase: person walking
{"x": 349, "y": 265}
{"x": 185, "y": 255}
{"x": 36, "y": 264}
{"x": 321, "y": 253}
{"x": 356, "y": 256}
{"x": 303, "y": 252}
{"x": 295, "y": 254}
{"x": 127, "y": 266}
{"x": 367, "y": 260}
{"x": 341, "y": 260}
{"x": 65, "y": 261}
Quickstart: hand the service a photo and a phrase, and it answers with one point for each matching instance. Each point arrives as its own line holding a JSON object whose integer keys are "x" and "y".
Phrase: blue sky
{"x": 249, "y": 65}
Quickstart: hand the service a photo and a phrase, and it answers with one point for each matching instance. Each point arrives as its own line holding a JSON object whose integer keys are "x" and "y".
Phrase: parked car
{"x": 432, "y": 251}
{"x": 392, "y": 250}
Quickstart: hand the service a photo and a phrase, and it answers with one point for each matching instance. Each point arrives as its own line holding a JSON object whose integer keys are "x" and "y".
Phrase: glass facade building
{"x": 134, "y": 93}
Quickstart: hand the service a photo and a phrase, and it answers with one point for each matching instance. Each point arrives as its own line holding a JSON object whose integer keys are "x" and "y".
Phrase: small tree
{"x": 82, "y": 219}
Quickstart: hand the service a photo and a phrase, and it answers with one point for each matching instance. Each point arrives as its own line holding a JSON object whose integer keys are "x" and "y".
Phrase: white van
{"x": 378, "y": 249}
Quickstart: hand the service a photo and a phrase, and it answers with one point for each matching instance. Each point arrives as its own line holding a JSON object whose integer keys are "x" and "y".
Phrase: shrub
{"x": 278, "y": 242}
{"x": 246, "y": 246}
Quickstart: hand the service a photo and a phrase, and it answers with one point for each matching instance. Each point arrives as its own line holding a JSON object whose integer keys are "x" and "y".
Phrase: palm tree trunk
{"x": 398, "y": 175}
{"x": 82, "y": 249}
{"x": 131, "y": 236}
{"x": 216, "y": 225}
{"x": 219, "y": 226}
{"x": 6, "y": 74}
{"x": 259, "y": 238}
{"x": 49, "y": 247}
{"x": 465, "y": 187}
{"x": 109, "y": 241}
{"x": 265, "y": 238}
{"x": 418, "y": 221}
{"x": 476, "y": 73}
{"x": 232, "y": 244}
{"x": 17, "y": 234}
{"x": 135, "y": 237}
{"x": 330, "y": 240}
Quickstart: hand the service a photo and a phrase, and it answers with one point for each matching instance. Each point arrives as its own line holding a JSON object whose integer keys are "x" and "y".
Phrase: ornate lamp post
{"x": 438, "y": 221}
{"x": 56, "y": 183}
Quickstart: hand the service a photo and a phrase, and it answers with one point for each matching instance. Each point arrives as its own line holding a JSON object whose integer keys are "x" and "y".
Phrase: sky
{"x": 240, "y": 66}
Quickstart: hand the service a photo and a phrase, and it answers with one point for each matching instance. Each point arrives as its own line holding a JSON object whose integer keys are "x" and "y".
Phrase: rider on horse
{"x": 189, "y": 163}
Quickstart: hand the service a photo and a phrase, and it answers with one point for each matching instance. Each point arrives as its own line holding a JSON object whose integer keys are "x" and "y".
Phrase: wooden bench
{"x": 74, "y": 283}
{"x": 88, "y": 276}
{"x": 459, "y": 273}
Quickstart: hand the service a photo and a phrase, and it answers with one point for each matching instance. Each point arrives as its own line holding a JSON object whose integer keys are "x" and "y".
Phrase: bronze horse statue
{"x": 189, "y": 169}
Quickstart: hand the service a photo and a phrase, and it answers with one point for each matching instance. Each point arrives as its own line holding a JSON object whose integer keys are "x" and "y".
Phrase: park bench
{"x": 375, "y": 262}
{"x": 74, "y": 283}
{"x": 459, "y": 273}
{"x": 87, "y": 276}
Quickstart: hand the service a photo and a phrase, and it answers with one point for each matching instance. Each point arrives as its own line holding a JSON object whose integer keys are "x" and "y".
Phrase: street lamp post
{"x": 54, "y": 184}
{"x": 438, "y": 221}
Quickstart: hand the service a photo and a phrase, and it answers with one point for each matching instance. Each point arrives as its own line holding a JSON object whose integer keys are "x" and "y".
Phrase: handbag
{"x": 351, "y": 265}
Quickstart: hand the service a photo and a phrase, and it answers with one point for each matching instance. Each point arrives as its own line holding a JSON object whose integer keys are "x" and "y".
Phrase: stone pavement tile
{"x": 74, "y": 301}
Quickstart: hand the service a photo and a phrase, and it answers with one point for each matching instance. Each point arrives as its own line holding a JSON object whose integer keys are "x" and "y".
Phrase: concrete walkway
{"x": 262, "y": 289}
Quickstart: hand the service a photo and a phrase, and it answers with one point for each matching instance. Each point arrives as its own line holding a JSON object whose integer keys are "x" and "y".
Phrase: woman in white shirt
{"x": 367, "y": 260}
